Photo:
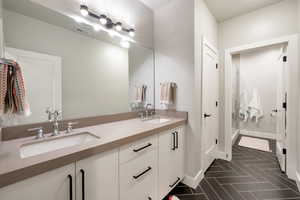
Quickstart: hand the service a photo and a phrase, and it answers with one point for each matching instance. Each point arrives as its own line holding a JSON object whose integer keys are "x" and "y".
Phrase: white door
{"x": 210, "y": 101}
{"x": 97, "y": 177}
{"x": 42, "y": 77}
{"x": 58, "y": 184}
{"x": 281, "y": 112}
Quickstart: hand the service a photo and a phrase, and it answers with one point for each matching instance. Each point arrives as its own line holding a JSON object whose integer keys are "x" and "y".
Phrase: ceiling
{"x": 154, "y": 4}
{"x": 226, "y": 9}
{"x": 222, "y": 9}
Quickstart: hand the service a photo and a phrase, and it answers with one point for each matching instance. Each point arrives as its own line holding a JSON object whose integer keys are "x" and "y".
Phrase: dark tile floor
{"x": 251, "y": 175}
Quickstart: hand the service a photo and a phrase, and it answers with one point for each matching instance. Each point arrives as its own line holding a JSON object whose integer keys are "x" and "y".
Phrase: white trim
{"x": 259, "y": 134}
{"x": 292, "y": 112}
{"x": 235, "y": 136}
{"x": 221, "y": 155}
{"x": 193, "y": 182}
{"x": 298, "y": 180}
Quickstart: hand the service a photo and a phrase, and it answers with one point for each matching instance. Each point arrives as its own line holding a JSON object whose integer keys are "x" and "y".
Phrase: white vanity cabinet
{"x": 147, "y": 169}
{"x": 52, "y": 185}
{"x": 97, "y": 177}
{"x": 170, "y": 160}
{"x": 99, "y": 174}
{"x": 138, "y": 170}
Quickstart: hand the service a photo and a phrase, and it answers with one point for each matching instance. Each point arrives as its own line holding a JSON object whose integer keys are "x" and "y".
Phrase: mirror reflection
{"x": 68, "y": 67}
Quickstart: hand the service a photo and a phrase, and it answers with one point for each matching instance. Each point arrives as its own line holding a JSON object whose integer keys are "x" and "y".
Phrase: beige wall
{"x": 178, "y": 59}
{"x": 95, "y": 73}
{"x": 270, "y": 22}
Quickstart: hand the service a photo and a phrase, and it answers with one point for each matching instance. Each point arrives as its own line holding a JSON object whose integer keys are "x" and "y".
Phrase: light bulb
{"x": 131, "y": 32}
{"x": 118, "y": 26}
{"x": 97, "y": 27}
{"x": 112, "y": 33}
{"x": 84, "y": 10}
{"x": 125, "y": 44}
{"x": 103, "y": 19}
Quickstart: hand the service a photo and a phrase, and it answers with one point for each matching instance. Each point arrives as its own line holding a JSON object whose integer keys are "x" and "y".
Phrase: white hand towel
{"x": 167, "y": 93}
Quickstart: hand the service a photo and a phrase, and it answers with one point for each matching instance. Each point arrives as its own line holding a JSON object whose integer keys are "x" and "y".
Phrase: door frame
{"x": 206, "y": 43}
{"x": 292, "y": 112}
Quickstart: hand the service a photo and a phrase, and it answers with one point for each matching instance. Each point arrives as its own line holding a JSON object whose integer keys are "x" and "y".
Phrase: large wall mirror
{"x": 70, "y": 66}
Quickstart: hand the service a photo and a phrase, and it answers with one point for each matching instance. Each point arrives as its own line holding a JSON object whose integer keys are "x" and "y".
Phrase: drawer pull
{"x": 178, "y": 179}
{"x": 141, "y": 174}
{"x": 70, "y": 186}
{"x": 174, "y": 141}
{"x": 144, "y": 147}
{"x": 176, "y": 133}
{"x": 83, "y": 184}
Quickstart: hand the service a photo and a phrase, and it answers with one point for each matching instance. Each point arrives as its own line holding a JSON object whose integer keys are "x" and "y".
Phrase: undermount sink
{"x": 158, "y": 121}
{"x": 40, "y": 147}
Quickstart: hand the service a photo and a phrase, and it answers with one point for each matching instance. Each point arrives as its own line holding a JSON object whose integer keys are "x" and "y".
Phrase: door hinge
{"x": 217, "y": 103}
{"x": 284, "y": 58}
{"x": 216, "y": 141}
{"x": 284, "y": 151}
{"x": 217, "y": 66}
{"x": 284, "y": 105}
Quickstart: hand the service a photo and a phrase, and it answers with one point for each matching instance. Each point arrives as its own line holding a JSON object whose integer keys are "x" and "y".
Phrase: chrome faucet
{"x": 148, "y": 113}
{"x": 40, "y": 132}
{"x": 53, "y": 117}
{"x": 148, "y": 107}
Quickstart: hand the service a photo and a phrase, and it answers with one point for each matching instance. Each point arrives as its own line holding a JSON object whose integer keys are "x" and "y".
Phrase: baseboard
{"x": 235, "y": 136}
{"x": 259, "y": 134}
{"x": 193, "y": 182}
{"x": 298, "y": 180}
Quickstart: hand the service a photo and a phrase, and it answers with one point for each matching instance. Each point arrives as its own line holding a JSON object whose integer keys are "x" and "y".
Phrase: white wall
{"x": 270, "y": 22}
{"x": 260, "y": 70}
{"x": 178, "y": 28}
{"x": 206, "y": 27}
{"x": 94, "y": 73}
{"x": 298, "y": 141}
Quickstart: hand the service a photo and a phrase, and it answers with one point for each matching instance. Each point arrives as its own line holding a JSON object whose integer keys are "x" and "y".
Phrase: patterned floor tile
{"x": 251, "y": 175}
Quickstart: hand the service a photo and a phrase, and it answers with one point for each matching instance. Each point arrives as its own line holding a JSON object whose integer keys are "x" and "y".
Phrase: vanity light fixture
{"x": 84, "y": 10}
{"x": 131, "y": 32}
{"x": 118, "y": 26}
{"x": 103, "y": 19}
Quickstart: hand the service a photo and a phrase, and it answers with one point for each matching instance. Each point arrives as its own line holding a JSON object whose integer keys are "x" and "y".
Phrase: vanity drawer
{"x": 138, "y": 148}
{"x": 138, "y": 178}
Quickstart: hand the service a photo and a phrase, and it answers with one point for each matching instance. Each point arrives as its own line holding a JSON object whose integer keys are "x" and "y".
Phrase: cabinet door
{"x": 179, "y": 158}
{"x": 167, "y": 163}
{"x": 52, "y": 185}
{"x": 97, "y": 177}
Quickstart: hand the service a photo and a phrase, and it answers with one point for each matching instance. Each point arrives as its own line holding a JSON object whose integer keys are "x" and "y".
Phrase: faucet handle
{"x": 40, "y": 132}
{"x": 70, "y": 126}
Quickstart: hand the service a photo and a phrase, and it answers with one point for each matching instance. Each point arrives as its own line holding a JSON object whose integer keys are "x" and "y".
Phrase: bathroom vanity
{"x": 123, "y": 160}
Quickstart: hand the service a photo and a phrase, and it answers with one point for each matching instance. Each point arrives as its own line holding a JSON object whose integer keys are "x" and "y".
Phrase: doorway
{"x": 284, "y": 117}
